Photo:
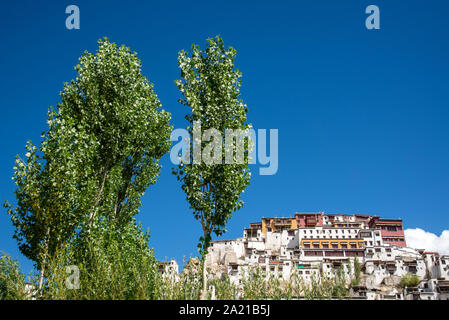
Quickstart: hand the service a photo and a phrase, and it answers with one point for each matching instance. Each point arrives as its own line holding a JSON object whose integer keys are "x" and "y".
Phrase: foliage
{"x": 113, "y": 271}
{"x": 12, "y": 280}
{"x": 211, "y": 88}
{"x": 320, "y": 286}
{"x": 224, "y": 289}
{"x": 97, "y": 157}
{"x": 117, "y": 264}
{"x": 185, "y": 286}
{"x": 114, "y": 115}
{"x": 357, "y": 273}
{"x": 409, "y": 280}
{"x": 45, "y": 213}
{"x": 257, "y": 284}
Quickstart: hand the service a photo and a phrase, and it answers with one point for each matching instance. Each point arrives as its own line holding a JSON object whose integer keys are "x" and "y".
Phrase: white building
{"x": 316, "y": 243}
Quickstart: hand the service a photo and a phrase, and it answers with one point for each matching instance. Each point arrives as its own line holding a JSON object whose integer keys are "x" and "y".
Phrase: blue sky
{"x": 362, "y": 114}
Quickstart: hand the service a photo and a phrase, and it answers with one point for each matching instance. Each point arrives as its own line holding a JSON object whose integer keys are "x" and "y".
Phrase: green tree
{"x": 97, "y": 158}
{"x": 12, "y": 280}
{"x": 45, "y": 214}
{"x": 211, "y": 88}
{"x": 116, "y": 112}
{"x": 357, "y": 273}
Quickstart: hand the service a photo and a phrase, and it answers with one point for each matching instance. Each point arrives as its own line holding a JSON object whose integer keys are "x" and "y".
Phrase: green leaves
{"x": 12, "y": 280}
{"x": 409, "y": 280}
{"x": 114, "y": 263}
{"x": 210, "y": 86}
{"x": 97, "y": 157}
{"x": 116, "y": 131}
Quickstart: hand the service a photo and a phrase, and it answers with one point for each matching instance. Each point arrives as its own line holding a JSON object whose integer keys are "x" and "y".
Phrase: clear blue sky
{"x": 363, "y": 115}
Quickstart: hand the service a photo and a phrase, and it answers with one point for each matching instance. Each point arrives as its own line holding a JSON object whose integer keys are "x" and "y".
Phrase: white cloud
{"x": 420, "y": 239}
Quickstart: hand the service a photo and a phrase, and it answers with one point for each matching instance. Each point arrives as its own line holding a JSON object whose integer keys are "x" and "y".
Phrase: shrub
{"x": 409, "y": 280}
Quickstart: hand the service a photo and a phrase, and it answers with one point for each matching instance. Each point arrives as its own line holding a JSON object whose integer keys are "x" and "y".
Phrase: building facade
{"x": 317, "y": 243}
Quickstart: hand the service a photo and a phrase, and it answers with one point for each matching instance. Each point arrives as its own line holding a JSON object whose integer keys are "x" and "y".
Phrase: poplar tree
{"x": 210, "y": 86}
{"x": 46, "y": 193}
{"x": 99, "y": 154}
{"x": 123, "y": 128}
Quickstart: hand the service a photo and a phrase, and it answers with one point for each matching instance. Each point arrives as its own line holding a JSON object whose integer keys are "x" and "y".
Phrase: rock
{"x": 391, "y": 281}
{"x": 230, "y": 257}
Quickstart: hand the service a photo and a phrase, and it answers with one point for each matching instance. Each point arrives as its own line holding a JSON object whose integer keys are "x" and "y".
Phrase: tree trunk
{"x": 41, "y": 279}
{"x": 204, "y": 292}
{"x": 44, "y": 258}
{"x": 94, "y": 209}
{"x": 203, "y": 259}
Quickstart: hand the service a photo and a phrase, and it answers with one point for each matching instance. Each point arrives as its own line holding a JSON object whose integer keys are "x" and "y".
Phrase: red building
{"x": 309, "y": 219}
{"x": 391, "y": 230}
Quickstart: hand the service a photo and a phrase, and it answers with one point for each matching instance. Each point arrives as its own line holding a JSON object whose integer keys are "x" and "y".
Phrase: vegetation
{"x": 116, "y": 265}
{"x": 109, "y": 274}
{"x": 357, "y": 273}
{"x": 12, "y": 281}
{"x": 97, "y": 158}
{"x": 409, "y": 280}
{"x": 211, "y": 88}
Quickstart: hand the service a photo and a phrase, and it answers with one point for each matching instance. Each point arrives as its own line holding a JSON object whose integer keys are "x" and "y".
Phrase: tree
{"x": 45, "y": 214}
{"x": 114, "y": 108}
{"x": 97, "y": 158}
{"x": 211, "y": 88}
{"x": 357, "y": 273}
{"x": 12, "y": 280}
